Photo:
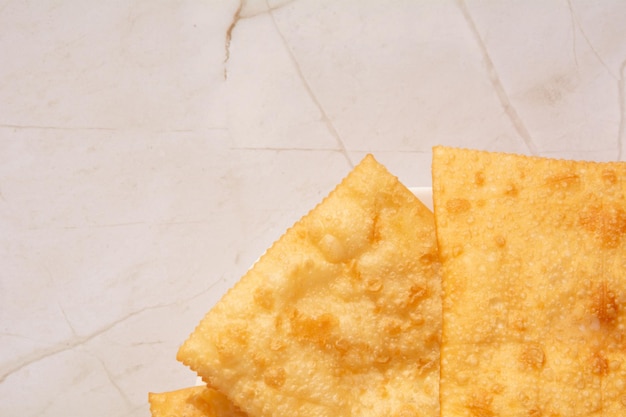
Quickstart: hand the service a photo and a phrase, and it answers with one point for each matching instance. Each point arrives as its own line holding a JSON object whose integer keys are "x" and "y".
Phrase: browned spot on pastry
{"x": 263, "y": 298}
{"x": 609, "y": 177}
{"x": 429, "y": 258}
{"x": 563, "y": 181}
{"x": 374, "y": 285}
{"x": 314, "y": 329}
{"x": 599, "y": 364}
{"x": 237, "y": 335}
{"x": 605, "y": 306}
{"x": 375, "y": 230}
{"x": 518, "y": 321}
{"x": 511, "y": 190}
{"x": 533, "y": 356}
{"x": 416, "y": 294}
{"x": 608, "y": 224}
{"x": 479, "y": 178}
{"x": 275, "y": 377}
{"x": 458, "y": 205}
{"x": 479, "y": 404}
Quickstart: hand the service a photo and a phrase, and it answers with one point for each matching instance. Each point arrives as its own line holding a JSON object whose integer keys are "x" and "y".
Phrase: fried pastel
{"x": 340, "y": 317}
{"x": 534, "y": 281}
{"x": 201, "y": 401}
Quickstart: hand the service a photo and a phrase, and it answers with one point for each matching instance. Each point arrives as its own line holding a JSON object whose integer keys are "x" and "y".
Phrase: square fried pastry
{"x": 340, "y": 317}
{"x": 201, "y": 401}
{"x": 533, "y": 254}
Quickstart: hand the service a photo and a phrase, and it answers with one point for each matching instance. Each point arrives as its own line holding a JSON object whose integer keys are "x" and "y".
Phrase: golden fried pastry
{"x": 534, "y": 282}
{"x": 198, "y": 401}
{"x": 340, "y": 317}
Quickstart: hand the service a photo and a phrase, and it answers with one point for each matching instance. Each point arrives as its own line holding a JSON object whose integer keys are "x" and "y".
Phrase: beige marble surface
{"x": 150, "y": 151}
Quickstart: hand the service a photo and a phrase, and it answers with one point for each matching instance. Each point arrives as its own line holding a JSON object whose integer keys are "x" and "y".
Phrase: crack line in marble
{"x": 329, "y": 124}
{"x": 123, "y": 224}
{"x": 229, "y": 37}
{"x": 573, "y": 23}
{"x": 505, "y": 101}
{"x": 285, "y": 149}
{"x": 63, "y": 346}
{"x": 577, "y": 23}
{"x": 112, "y": 380}
{"x": 267, "y": 10}
{"x": 43, "y": 410}
{"x": 67, "y": 320}
{"x": 155, "y": 343}
{"x": 238, "y": 16}
{"x": 279, "y": 149}
{"x": 43, "y": 127}
{"x": 621, "y": 95}
{"x": 106, "y": 129}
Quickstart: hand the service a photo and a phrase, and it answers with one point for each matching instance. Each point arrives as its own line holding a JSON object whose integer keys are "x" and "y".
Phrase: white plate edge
{"x": 424, "y": 194}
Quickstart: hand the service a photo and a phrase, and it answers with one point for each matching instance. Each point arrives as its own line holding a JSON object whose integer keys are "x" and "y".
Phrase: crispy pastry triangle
{"x": 340, "y": 317}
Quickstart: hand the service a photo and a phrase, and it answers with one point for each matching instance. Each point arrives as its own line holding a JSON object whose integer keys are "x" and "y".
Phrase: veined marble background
{"x": 151, "y": 151}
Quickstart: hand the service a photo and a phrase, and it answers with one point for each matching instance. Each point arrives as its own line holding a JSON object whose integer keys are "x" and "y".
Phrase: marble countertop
{"x": 151, "y": 151}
